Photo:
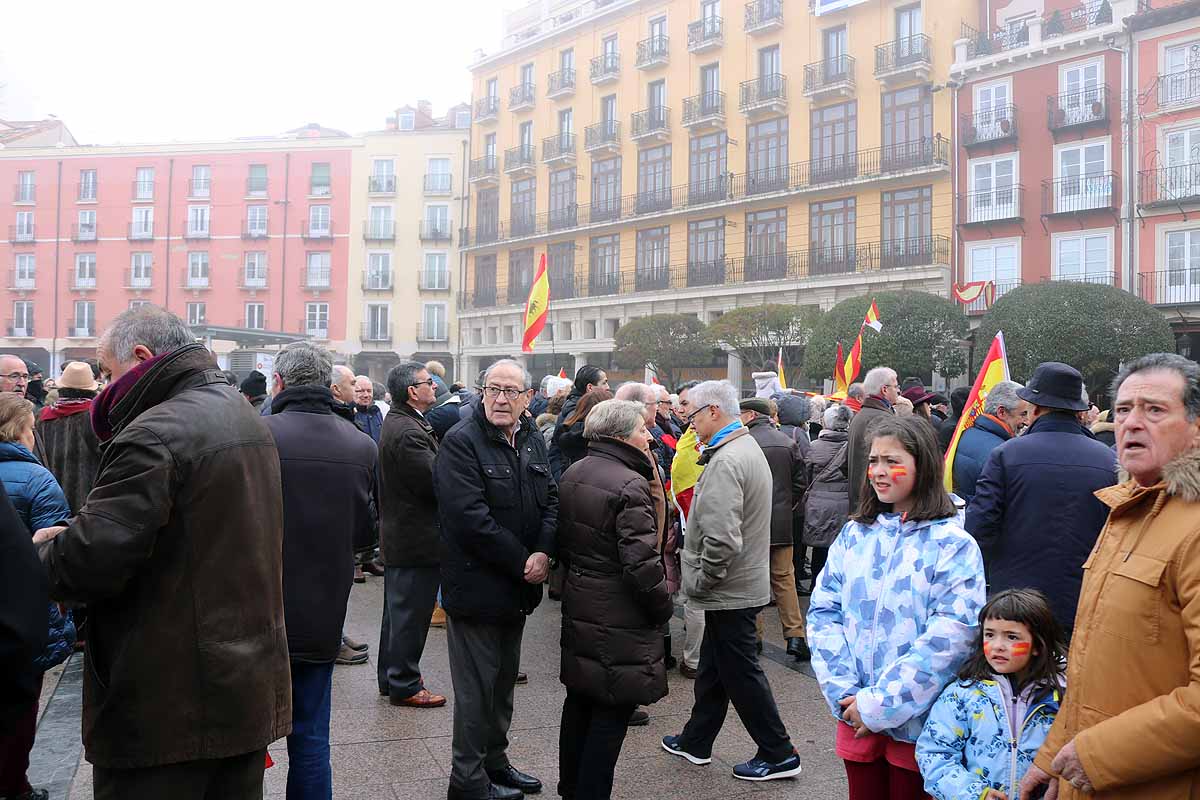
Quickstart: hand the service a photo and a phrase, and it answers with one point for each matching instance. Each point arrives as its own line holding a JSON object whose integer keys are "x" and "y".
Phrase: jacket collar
{"x": 830, "y": 435}
{"x": 622, "y": 452}
{"x": 993, "y": 425}
{"x": 171, "y": 373}
{"x": 370, "y": 411}
{"x": 313, "y": 399}
{"x": 524, "y": 425}
{"x": 878, "y": 403}
{"x": 15, "y": 451}
{"x": 1058, "y": 422}
{"x": 759, "y": 421}
{"x": 405, "y": 410}
{"x": 711, "y": 450}
{"x": 1181, "y": 479}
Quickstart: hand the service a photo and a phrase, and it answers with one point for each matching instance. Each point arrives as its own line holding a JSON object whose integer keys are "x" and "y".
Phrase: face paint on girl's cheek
{"x": 898, "y": 472}
{"x": 1021, "y": 648}
{"x": 987, "y": 649}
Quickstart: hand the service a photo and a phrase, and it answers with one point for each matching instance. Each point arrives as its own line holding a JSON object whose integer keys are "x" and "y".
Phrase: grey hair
{"x": 661, "y": 391}
{"x": 837, "y": 418}
{"x": 816, "y": 407}
{"x": 1187, "y": 369}
{"x": 304, "y": 364}
{"x": 719, "y": 394}
{"x": 856, "y": 391}
{"x": 612, "y": 419}
{"x": 402, "y": 376}
{"x": 154, "y": 328}
{"x": 1003, "y": 395}
{"x": 632, "y": 390}
{"x": 876, "y": 379}
{"x": 526, "y": 378}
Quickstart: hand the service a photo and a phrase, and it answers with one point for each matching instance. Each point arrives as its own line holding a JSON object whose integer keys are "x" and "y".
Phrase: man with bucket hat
{"x": 1034, "y": 513}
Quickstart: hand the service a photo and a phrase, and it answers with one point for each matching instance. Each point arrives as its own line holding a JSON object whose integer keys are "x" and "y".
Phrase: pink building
{"x": 244, "y": 239}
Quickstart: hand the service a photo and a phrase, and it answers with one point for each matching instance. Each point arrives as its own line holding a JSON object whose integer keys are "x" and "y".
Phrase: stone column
{"x": 580, "y": 361}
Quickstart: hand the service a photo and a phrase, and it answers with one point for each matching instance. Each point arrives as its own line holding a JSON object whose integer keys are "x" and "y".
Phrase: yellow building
{"x": 692, "y": 157}
{"x": 406, "y": 207}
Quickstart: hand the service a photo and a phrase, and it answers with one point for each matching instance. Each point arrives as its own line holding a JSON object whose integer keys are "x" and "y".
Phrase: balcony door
{"x": 710, "y": 86}
{"x": 991, "y": 111}
{"x": 835, "y": 48}
{"x": 378, "y": 322}
{"x": 1083, "y": 180}
{"x": 832, "y": 236}
{"x": 908, "y": 28}
{"x": 1182, "y": 280}
{"x": 769, "y": 70}
{"x": 1182, "y": 74}
{"x": 1083, "y": 92}
{"x": 992, "y": 195}
{"x": 834, "y": 140}
{"x": 1181, "y": 178}
{"x": 907, "y": 128}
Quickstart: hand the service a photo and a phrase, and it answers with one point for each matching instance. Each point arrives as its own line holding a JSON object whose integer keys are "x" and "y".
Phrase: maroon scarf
{"x": 66, "y": 408}
{"x": 112, "y": 394}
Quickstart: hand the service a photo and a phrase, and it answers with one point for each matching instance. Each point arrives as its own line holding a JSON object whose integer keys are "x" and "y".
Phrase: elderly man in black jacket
{"x": 329, "y": 470}
{"x": 498, "y": 507}
{"x": 409, "y": 535}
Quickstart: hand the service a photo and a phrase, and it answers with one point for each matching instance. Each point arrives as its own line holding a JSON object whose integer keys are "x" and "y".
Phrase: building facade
{"x": 693, "y": 157}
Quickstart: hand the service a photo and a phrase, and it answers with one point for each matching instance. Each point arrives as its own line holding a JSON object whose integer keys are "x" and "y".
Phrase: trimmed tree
{"x": 1090, "y": 326}
{"x": 669, "y": 342}
{"x": 756, "y": 333}
{"x": 922, "y": 333}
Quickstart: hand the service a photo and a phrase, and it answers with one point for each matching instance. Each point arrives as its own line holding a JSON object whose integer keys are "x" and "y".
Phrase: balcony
{"x": 522, "y": 223}
{"x": 196, "y": 233}
{"x": 563, "y": 218}
{"x": 314, "y": 328}
{"x": 992, "y": 126}
{"x": 714, "y": 190}
{"x": 434, "y": 280}
{"x": 252, "y": 280}
{"x": 199, "y": 188}
{"x": 522, "y": 97}
{"x": 83, "y": 233}
{"x": 20, "y": 330}
{"x": 315, "y": 231}
{"x": 433, "y": 333}
{"x": 1077, "y": 109}
{"x": 831, "y": 78}
{"x": 435, "y": 230}
{"x": 988, "y": 206}
{"x": 653, "y": 278}
{"x": 520, "y": 161}
{"x": 25, "y": 193}
{"x": 138, "y": 283}
{"x": 560, "y": 84}
{"x": 562, "y": 286}
{"x": 605, "y": 68}
{"x": 982, "y": 304}
{"x": 763, "y": 16}
{"x": 379, "y": 231}
{"x": 21, "y": 281}
{"x": 704, "y": 112}
{"x": 256, "y": 187}
{"x": 705, "y": 34}
{"x": 320, "y": 188}
{"x": 909, "y": 58}
{"x": 517, "y": 292}
{"x": 1170, "y": 287}
{"x": 763, "y": 96}
{"x": 1177, "y": 186}
{"x": 653, "y": 201}
{"x": 706, "y": 272}
{"x": 254, "y": 229}
{"x": 603, "y": 284}
{"x": 83, "y": 283}
{"x": 196, "y": 282}
{"x": 377, "y": 333}
{"x": 381, "y": 184}
{"x": 139, "y": 232}
{"x": 652, "y": 52}
{"x": 559, "y": 150}
{"x": 1177, "y": 89}
{"x": 21, "y": 233}
{"x": 143, "y": 191}
{"x": 86, "y": 331}
{"x": 487, "y": 109}
{"x": 315, "y": 279}
{"x": 603, "y": 137}
{"x": 438, "y": 184}
{"x": 483, "y": 297}
{"x": 651, "y": 124}
{"x": 484, "y": 171}
{"x": 1079, "y": 194}
{"x": 986, "y": 43}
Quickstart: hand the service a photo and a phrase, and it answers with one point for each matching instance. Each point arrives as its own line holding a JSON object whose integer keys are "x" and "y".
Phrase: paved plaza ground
{"x": 386, "y": 753}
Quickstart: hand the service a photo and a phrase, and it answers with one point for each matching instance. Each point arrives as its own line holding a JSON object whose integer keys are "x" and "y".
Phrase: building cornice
{"x": 598, "y": 13}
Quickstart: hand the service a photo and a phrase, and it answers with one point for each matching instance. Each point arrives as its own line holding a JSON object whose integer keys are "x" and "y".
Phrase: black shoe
{"x": 493, "y": 792}
{"x": 798, "y": 649}
{"x": 522, "y": 679}
{"x": 374, "y": 567}
{"x": 32, "y": 794}
{"x": 687, "y": 671}
{"x": 803, "y": 591}
{"x": 670, "y": 659}
{"x": 639, "y": 717}
{"x": 513, "y": 778}
{"x": 759, "y": 646}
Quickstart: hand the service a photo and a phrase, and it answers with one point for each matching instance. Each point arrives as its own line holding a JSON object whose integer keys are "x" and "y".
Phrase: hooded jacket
{"x": 892, "y": 618}
{"x": 793, "y": 421}
{"x": 1133, "y": 673}
{"x": 766, "y": 383}
{"x": 788, "y": 481}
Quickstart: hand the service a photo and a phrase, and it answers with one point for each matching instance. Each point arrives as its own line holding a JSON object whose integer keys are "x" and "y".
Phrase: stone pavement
{"x": 384, "y": 753}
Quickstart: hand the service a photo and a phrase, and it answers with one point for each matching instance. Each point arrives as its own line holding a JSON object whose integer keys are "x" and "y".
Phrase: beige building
{"x": 407, "y": 191}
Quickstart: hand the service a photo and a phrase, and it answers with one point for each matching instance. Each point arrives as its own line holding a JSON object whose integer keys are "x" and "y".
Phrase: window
{"x": 525, "y": 139}
{"x": 566, "y": 59}
{"x": 85, "y": 271}
{"x": 87, "y": 224}
{"x": 526, "y": 75}
{"x": 907, "y": 227}
{"x": 25, "y": 225}
{"x": 256, "y": 181}
{"x": 1182, "y": 280}
{"x": 22, "y": 324}
{"x": 523, "y": 207}
{"x": 769, "y": 68}
{"x": 653, "y": 269}
{"x": 143, "y": 222}
{"x": 87, "y": 185}
{"x": 993, "y": 111}
{"x": 26, "y": 271}
{"x": 488, "y": 222}
{"x": 766, "y": 244}
{"x": 379, "y": 271}
{"x": 835, "y": 46}
{"x": 462, "y": 119}
{"x": 143, "y": 185}
{"x": 256, "y": 220}
{"x": 436, "y": 275}
{"x": 834, "y": 138}
{"x": 907, "y": 128}
{"x": 520, "y": 274}
{"x": 485, "y": 280}
{"x": 85, "y": 318}
{"x": 832, "y": 236}
{"x": 197, "y": 222}
{"x": 438, "y": 179}
{"x": 1084, "y": 256}
{"x": 658, "y": 27}
{"x": 566, "y": 124}
{"x": 606, "y": 189}
{"x": 561, "y": 269}
{"x": 196, "y": 314}
{"x": 26, "y": 187}
{"x": 1181, "y": 79}
{"x": 437, "y": 220}
{"x": 316, "y": 320}
{"x": 407, "y": 120}
{"x": 562, "y": 199}
{"x": 317, "y": 274}
{"x": 380, "y": 223}
{"x": 998, "y": 261}
{"x": 1083, "y": 180}
{"x": 201, "y": 185}
{"x": 993, "y": 193}
{"x": 379, "y": 323}
{"x": 1181, "y": 178}
{"x": 138, "y": 303}
{"x": 908, "y": 27}
{"x": 493, "y": 87}
{"x": 256, "y": 316}
{"x": 139, "y": 270}
{"x": 254, "y": 274}
{"x": 706, "y": 252}
{"x": 654, "y": 178}
{"x": 656, "y": 96}
{"x": 604, "y": 265}
{"x": 707, "y": 180}
{"x": 608, "y": 113}
{"x": 433, "y": 323}
{"x": 318, "y": 221}
{"x": 320, "y": 184}
{"x": 197, "y": 277}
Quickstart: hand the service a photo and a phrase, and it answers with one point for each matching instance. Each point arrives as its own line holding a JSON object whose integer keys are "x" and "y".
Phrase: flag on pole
{"x": 872, "y": 319}
{"x": 994, "y": 370}
{"x": 839, "y": 372}
{"x": 536, "y": 307}
{"x": 779, "y": 369}
{"x": 562, "y": 372}
{"x": 854, "y": 361}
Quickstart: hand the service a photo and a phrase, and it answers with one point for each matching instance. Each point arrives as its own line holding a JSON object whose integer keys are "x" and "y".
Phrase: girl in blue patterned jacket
{"x": 894, "y": 612}
{"x": 985, "y": 729}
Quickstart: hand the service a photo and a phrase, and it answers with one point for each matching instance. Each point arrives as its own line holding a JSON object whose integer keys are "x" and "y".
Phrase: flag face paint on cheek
{"x": 987, "y": 649}
{"x": 1021, "y": 648}
{"x": 898, "y": 472}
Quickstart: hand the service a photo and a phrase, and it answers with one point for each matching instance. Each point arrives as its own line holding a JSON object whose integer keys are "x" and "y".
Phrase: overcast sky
{"x": 140, "y": 71}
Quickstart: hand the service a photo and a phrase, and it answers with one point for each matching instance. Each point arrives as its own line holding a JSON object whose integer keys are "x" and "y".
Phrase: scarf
{"x": 114, "y": 393}
{"x": 66, "y": 408}
{"x": 721, "y": 435}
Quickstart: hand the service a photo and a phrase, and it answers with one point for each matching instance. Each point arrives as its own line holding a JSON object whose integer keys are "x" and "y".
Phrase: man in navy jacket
{"x": 1004, "y": 416}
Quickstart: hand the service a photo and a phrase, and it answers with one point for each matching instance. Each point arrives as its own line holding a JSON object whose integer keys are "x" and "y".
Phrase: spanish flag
{"x": 994, "y": 370}
{"x": 780, "y": 370}
{"x": 854, "y": 362}
{"x": 840, "y": 385}
{"x": 536, "y": 307}
{"x": 685, "y": 473}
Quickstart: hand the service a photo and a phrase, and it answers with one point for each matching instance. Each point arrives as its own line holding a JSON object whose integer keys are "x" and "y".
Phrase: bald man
{"x": 367, "y": 416}
{"x": 14, "y": 375}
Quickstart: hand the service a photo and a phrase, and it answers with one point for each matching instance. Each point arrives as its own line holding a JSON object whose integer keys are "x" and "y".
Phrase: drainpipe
{"x": 167, "y": 268}
{"x": 464, "y": 211}
{"x": 287, "y": 175}
{"x": 1128, "y": 129}
{"x": 954, "y": 140}
{"x": 57, "y": 251}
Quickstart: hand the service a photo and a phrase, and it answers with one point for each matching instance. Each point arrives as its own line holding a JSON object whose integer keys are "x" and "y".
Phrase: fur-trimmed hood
{"x": 1180, "y": 478}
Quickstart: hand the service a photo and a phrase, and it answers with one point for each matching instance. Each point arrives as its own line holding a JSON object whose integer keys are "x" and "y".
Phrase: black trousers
{"x": 589, "y": 742}
{"x": 409, "y": 595}
{"x": 730, "y": 672}
{"x": 819, "y": 555}
{"x": 233, "y": 778}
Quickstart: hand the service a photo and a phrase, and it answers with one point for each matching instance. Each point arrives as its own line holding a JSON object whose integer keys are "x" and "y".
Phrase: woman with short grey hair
{"x": 613, "y": 419}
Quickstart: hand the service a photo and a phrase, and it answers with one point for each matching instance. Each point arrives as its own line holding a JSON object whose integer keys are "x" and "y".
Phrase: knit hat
{"x": 77, "y": 375}
{"x": 762, "y": 405}
{"x": 255, "y": 384}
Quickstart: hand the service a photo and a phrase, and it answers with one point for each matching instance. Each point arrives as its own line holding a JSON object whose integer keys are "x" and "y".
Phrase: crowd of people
{"x": 1035, "y": 630}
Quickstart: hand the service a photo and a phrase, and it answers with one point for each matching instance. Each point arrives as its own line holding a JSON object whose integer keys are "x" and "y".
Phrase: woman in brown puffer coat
{"x": 614, "y": 600}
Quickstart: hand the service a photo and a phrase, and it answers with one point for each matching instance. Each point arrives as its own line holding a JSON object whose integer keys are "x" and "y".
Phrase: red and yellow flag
{"x": 779, "y": 369}
{"x": 562, "y": 372}
{"x": 685, "y": 473}
{"x": 840, "y": 385}
{"x": 854, "y": 362}
{"x": 994, "y": 370}
{"x": 536, "y": 307}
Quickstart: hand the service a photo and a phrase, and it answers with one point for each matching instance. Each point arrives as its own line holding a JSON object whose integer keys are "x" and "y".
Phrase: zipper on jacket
{"x": 1012, "y": 740}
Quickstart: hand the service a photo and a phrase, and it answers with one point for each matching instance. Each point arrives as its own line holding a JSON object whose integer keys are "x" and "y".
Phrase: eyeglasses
{"x": 510, "y": 394}
{"x": 17, "y": 376}
{"x": 664, "y": 402}
{"x": 692, "y": 415}
{"x": 429, "y": 382}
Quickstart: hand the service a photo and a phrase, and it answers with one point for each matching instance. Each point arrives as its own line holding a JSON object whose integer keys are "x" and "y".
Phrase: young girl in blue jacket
{"x": 985, "y": 729}
{"x": 894, "y": 611}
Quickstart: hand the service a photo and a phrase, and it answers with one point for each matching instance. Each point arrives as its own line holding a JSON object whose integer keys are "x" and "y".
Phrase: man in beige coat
{"x": 726, "y": 572}
{"x": 1129, "y": 727}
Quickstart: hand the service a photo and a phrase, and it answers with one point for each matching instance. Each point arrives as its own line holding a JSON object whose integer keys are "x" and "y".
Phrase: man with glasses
{"x": 14, "y": 375}
{"x": 498, "y": 508}
{"x": 409, "y": 536}
{"x": 882, "y": 389}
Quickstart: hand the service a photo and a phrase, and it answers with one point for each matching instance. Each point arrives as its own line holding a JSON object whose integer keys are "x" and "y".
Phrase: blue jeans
{"x": 309, "y": 774}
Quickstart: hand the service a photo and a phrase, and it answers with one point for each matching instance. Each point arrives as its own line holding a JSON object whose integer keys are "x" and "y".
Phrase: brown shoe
{"x": 687, "y": 671}
{"x": 438, "y": 620}
{"x": 422, "y": 699}
{"x": 359, "y": 577}
{"x": 374, "y": 567}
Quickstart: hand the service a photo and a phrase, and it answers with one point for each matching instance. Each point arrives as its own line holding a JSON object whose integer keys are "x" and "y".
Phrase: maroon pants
{"x": 879, "y": 780}
{"x": 15, "y": 745}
